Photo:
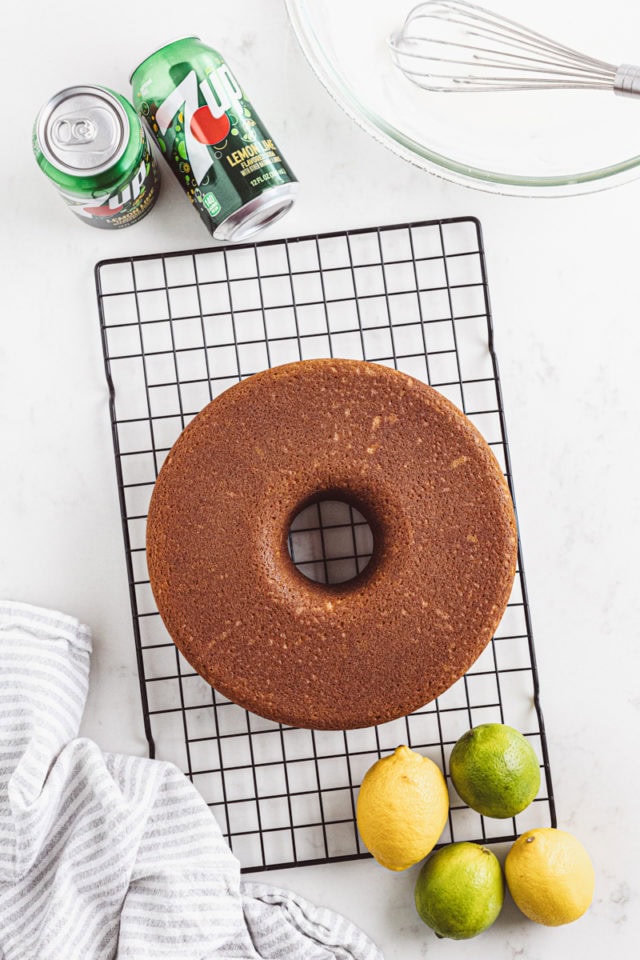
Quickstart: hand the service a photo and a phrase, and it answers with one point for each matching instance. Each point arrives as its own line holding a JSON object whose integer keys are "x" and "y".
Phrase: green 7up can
{"x": 213, "y": 140}
{"x": 89, "y": 141}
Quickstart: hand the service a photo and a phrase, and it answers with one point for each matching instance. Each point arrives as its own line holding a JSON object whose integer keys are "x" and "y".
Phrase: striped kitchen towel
{"x": 105, "y": 856}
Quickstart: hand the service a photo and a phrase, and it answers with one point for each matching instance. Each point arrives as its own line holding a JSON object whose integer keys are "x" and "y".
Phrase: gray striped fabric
{"x": 107, "y": 856}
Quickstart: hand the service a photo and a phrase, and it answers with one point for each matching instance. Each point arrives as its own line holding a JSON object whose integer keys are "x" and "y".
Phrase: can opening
{"x": 83, "y": 130}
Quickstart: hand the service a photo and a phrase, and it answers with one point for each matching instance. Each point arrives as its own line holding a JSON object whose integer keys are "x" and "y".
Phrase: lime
{"x": 550, "y": 876}
{"x": 495, "y": 770}
{"x": 460, "y": 890}
{"x": 402, "y": 808}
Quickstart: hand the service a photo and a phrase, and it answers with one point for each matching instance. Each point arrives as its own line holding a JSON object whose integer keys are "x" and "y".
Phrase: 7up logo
{"x": 206, "y": 125}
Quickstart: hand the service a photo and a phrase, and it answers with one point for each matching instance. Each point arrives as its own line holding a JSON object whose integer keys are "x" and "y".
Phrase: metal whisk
{"x": 452, "y": 45}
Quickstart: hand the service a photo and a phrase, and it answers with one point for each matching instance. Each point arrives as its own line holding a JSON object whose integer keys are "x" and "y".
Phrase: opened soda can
{"x": 213, "y": 140}
{"x": 90, "y": 143}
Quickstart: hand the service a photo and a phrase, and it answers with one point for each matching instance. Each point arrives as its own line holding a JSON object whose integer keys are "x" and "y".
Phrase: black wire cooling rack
{"x": 180, "y": 328}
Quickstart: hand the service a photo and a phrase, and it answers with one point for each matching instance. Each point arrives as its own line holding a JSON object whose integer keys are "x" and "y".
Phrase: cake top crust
{"x": 315, "y": 655}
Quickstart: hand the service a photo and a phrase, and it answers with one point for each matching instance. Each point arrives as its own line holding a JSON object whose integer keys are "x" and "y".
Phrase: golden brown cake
{"x": 309, "y": 654}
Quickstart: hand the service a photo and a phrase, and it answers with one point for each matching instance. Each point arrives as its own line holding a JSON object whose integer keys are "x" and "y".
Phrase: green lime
{"x": 460, "y": 890}
{"x": 495, "y": 770}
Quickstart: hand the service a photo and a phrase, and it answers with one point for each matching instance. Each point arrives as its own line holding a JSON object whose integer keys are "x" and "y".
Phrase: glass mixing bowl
{"x": 528, "y": 143}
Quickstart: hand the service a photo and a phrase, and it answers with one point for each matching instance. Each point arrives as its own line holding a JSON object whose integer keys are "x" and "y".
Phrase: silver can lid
{"x": 83, "y": 130}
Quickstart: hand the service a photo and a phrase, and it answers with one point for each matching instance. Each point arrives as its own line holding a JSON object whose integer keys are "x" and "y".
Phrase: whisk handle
{"x": 626, "y": 82}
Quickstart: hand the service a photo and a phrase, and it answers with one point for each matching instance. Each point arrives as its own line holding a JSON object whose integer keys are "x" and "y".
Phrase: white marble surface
{"x": 563, "y": 281}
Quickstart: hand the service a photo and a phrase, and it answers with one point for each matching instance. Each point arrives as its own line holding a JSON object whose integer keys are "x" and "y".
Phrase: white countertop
{"x": 563, "y": 284}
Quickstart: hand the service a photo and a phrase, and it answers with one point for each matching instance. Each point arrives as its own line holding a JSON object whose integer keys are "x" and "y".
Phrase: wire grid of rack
{"x": 180, "y": 328}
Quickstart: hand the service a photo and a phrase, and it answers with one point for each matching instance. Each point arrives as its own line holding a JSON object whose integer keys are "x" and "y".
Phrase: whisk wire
{"x": 477, "y": 14}
{"x": 503, "y": 25}
{"x": 495, "y": 53}
{"x": 493, "y": 58}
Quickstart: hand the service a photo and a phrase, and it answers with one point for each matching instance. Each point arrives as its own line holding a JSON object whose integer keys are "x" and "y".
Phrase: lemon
{"x": 460, "y": 890}
{"x": 495, "y": 770}
{"x": 402, "y": 808}
{"x": 550, "y": 876}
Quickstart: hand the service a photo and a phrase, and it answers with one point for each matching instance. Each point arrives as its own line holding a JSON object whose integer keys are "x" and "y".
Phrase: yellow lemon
{"x": 550, "y": 876}
{"x": 495, "y": 770}
{"x": 460, "y": 890}
{"x": 402, "y": 808}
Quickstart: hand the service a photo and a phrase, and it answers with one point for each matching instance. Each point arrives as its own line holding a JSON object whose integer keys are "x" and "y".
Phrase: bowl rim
{"x": 403, "y": 145}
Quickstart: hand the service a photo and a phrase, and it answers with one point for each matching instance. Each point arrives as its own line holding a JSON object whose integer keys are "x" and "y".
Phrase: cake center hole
{"x": 330, "y": 542}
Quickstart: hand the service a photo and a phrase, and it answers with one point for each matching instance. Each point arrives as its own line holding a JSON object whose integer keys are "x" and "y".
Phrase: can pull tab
{"x": 74, "y": 131}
